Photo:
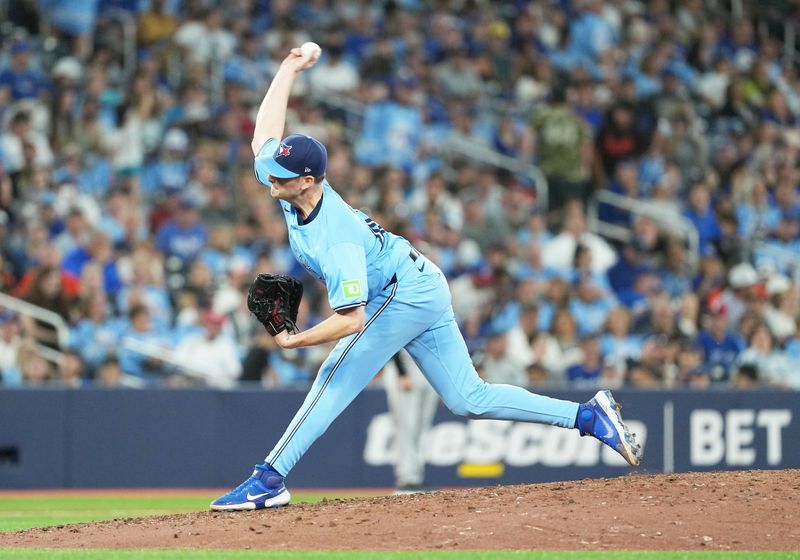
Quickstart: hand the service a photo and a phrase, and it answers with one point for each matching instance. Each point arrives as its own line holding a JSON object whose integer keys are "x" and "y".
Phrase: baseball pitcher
{"x": 385, "y": 296}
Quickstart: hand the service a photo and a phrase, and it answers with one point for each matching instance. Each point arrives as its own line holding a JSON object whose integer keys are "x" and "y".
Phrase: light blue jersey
{"x": 408, "y": 306}
{"x": 346, "y": 249}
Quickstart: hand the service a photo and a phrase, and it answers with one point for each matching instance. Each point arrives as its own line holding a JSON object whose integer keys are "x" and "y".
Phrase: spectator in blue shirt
{"x": 92, "y": 175}
{"x": 171, "y": 169}
{"x": 96, "y": 337}
{"x": 631, "y": 263}
{"x": 701, "y": 214}
{"x": 587, "y": 374}
{"x": 720, "y": 347}
{"x": 625, "y": 183}
{"x": 786, "y": 193}
{"x": 535, "y": 229}
{"x": 140, "y": 329}
{"x": 146, "y": 288}
{"x": 589, "y": 34}
{"x": 618, "y": 345}
{"x": 590, "y": 305}
{"x": 247, "y": 67}
{"x": 23, "y": 81}
{"x": 756, "y": 217}
{"x": 784, "y": 246}
{"x": 582, "y": 267}
{"x": 391, "y": 129}
{"x": 185, "y": 235}
{"x": 100, "y": 250}
{"x": 676, "y": 274}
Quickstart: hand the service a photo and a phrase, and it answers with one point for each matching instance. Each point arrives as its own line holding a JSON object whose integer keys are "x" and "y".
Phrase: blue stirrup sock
{"x": 584, "y": 420}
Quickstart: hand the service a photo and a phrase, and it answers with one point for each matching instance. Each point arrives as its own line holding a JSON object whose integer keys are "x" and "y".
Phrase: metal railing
{"x": 38, "y": 313}
{"x": 165, "y": 354}
{"x": 672, "y": 222}
{"x": 456, "y": 145}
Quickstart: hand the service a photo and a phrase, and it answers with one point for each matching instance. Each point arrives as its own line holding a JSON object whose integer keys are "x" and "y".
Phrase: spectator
{"x": 95, "y": 337}
{"x": 140, "y": 334}
{"x": 10, "y": 344}
{"x": 534, "y": 232}
{"x": 156, "y": 25}
{"x": 746, "y": 377}
{"x": 642, "y": 376}
{"x": 205, "y": 40}
{"x": 247, "y": 67}
{"x": 783, "y": 307}
{"x": 587, "y": 373}
{"x": 783, "y": 246}
{"x": 171, "y": 169}
{"x": 48, "y": 293}
{"x": 702, "y": 215}
{"x": 631, "y": 264}
{"x": 619, "y": 345}
{"x": 756, "y": 217}
{"x": 184, "y": 236}
{"x": 560, "y": 351}
{"x": 676, "y": 274}
{"x": 591, "y": 304}
{"x": 392, "y": 127}
{"x": 496, "y": 364}
{"x": 333, "y": 73}
{"x": 720, "y": 347}
{"x": 625, "y": 183}
{"x": 19, "y": 139}
{"x": 742, "y": 282}
{"x": 97, "y": 251}
{"x": 35, "y": 369}
{"x": 617, "y": 140}
{"x": 71, "y": 370}
{"x": 773, "y": 366}
{"x": 21, "y": 79}
{"x": 689, "y": 365}
{"x": 109, "y": 373}
{"x": 457, "y": 76}
{"x": 75, "y": 236}
{"x": 559, "y": 252}
{"x": 74, "y": 20}
{"x": 144, "y": 284}
{"x": 210, "y": 355}
{"x": 562, "y": 153}
{"x": 480, "y": 226}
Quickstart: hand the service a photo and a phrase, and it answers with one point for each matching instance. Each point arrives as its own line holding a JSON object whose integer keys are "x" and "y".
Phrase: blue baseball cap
{"x": 21, "y": 46}
{"x": 294, "y": 156}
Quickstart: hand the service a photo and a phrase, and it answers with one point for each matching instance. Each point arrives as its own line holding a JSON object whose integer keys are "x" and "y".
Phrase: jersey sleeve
{"x": 269, "y": 147}
{"x": 345, "y": 270}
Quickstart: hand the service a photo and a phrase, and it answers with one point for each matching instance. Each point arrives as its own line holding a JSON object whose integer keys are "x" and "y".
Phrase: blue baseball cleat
{"x": 264, "y": 489}
{"x": 600, "y": 418}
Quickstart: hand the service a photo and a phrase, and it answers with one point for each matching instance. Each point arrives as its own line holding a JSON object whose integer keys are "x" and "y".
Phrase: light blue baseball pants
{"x": 416, "y": 313}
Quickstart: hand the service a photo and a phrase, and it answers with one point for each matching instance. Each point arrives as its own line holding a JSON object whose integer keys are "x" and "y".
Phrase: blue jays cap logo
{"x": 284, "y": 150}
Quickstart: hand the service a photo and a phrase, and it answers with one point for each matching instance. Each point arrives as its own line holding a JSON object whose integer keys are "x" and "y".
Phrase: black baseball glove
{"x": 274, "y": 299}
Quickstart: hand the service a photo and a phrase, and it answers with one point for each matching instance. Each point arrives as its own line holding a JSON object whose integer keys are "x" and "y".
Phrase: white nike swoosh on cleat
{"x": 628, "y": 447}
{"x": 250, "y": 497}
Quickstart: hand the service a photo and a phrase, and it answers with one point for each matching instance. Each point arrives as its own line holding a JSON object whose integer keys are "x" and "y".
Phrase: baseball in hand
{"x": 310, "y": 51}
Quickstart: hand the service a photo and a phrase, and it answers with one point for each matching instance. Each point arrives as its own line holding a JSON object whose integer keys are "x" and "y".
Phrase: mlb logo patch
{"x": 351, "y": 289}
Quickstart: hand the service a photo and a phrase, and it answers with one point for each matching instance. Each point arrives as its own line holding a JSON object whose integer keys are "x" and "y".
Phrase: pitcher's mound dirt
{"x": 742, "y": 510}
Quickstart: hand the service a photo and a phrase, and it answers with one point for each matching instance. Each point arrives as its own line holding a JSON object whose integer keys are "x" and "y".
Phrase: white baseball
{"x": 310, "y": 50}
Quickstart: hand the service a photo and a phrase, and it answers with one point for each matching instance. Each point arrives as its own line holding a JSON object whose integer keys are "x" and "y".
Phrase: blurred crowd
{"x": 130, "y": 212}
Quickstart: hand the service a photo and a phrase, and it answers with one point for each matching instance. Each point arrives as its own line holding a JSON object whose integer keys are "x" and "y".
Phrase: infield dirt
{"x": 743, "y": 510}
